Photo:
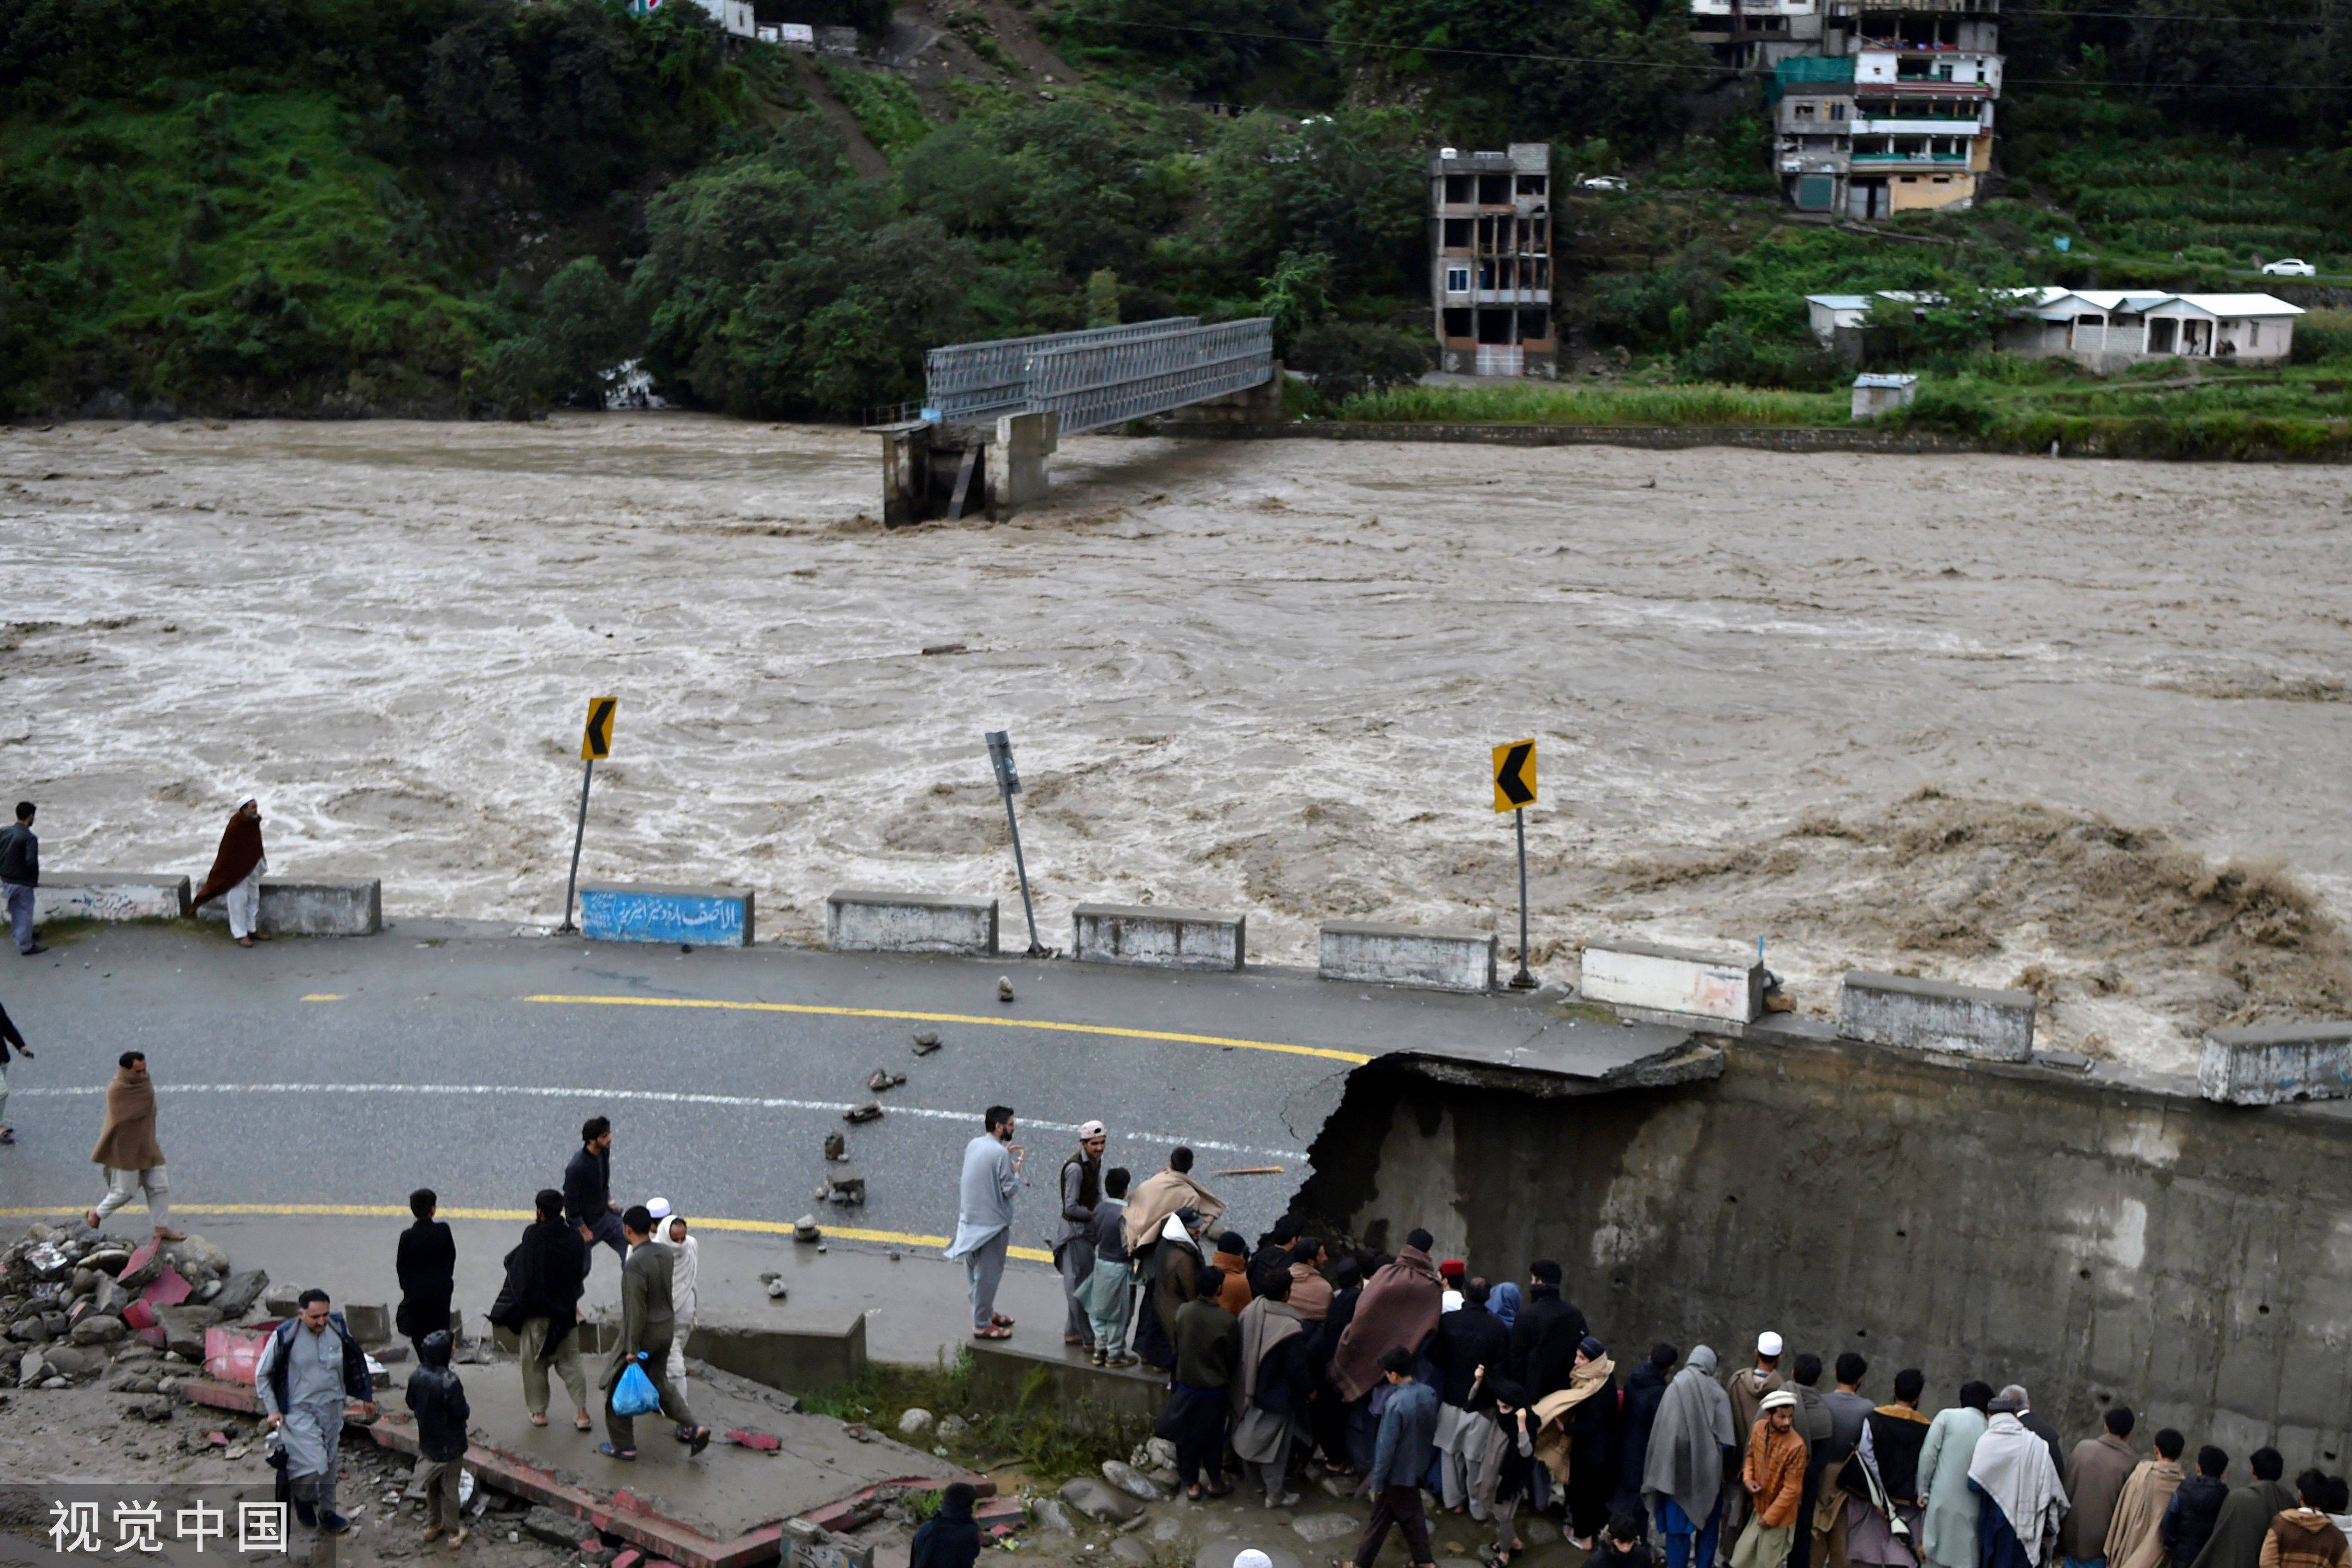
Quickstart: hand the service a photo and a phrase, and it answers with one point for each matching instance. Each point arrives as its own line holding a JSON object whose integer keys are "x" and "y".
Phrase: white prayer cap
{"x": 1768, "y": 1343}
{"x": 658, "y": 1209}
{"x": 1252, "y": 1558}
{"x": 1778, "y": 1399}
{"x": 1090, "y": 1130}
{"x": 1452, "y": 1303}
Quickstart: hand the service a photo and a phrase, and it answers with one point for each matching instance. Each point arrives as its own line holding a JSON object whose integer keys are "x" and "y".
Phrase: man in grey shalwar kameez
{"x": 311, "y": 1366}
{"x": 992, "y": 1174}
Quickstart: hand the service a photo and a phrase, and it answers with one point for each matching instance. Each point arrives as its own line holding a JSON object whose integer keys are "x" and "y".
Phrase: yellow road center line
{"x": 387, "y": 1211}
{"x": 325, "y": 996}
{"x": 1112, "y": 1030}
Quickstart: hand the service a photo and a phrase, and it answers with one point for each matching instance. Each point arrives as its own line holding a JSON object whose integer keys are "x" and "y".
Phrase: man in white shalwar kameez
{"x": 992, "y": 1175}
{"x": 685, "y": 1269}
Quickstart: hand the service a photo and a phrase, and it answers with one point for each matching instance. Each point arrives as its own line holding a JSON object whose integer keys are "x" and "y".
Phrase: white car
{"x": 1602, "y": 181}
{"x": 2290, "y": 267}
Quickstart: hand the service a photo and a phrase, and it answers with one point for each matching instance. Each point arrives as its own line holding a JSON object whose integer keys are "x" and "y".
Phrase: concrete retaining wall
{"x": 1165, "y": 938}
{"x": 292, "y": 908}
{"x": 1931, "y": 1015}
{"x": 1017, "y": 1377}
{"x": 876, "y": 920}
{"x": 1408, "y": 955}
{"x": 2277, "y": 1064}
{"x": 795, "y": 1360}
{"x": 1677, "y": 984}
{"x": 641, "y": 912}
{"x": 2091, "y": 1241}
{"x": 110, "y": 895}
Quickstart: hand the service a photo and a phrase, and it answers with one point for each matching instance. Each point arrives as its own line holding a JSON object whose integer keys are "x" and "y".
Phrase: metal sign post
{"x": 1515, "y": 790}
{"x": 595, "y": 741}
{"x": 1008, "y": 784}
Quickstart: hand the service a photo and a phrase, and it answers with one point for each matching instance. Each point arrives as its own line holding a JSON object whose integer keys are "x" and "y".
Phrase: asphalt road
{"x": 347, "y": 1072}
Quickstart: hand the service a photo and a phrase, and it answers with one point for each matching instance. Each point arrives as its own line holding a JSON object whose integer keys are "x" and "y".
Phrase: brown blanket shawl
{"x": 240, "y": 851}
{"x": 1399, "y": 1308}
{"x": 1551, "y": 1413}
{"x": 128, "y": 1143}
{"x": 1158, "y": 1197}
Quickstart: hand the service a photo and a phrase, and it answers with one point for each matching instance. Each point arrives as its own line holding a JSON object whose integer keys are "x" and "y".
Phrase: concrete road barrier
{"x": 876, "y": 920}
{"x": 2274, "y": 1063}
{"x": 1934, "y": 1015}
{"x": 1408, "y": 955}
{"x": 641, "y": 912}
{"x": 1162, "y": 938}
{"x": 294, "y": 908}
{"x": 1675, "y": 985}
{"x": 110, "y": 895}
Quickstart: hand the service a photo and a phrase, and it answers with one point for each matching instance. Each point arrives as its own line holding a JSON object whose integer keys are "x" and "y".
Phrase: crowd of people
{"x": 312, "y": 1363}
{"x": 1421, "y": 1380}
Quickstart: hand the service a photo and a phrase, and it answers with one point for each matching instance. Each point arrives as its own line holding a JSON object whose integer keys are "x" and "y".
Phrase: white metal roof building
{"x": 2106, "y": 328}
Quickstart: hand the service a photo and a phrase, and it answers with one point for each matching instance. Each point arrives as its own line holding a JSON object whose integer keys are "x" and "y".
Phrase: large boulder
{"x": 237, "y": 1294}
{"x": 1132, "y": 1482}
{"x": 73, "y": 1362}
{"x": 197, "y": 1257}
{"x": 183, "y": 1329}
{"x": 97, "y": 1328}
{"x": 1098, "y": 1501}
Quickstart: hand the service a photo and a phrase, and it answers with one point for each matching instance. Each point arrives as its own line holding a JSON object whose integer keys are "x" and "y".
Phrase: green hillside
{"x": 343, "y": 206}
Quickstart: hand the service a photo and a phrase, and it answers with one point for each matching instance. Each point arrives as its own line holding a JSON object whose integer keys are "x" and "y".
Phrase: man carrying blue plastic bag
{"x": 649, "y": 1322}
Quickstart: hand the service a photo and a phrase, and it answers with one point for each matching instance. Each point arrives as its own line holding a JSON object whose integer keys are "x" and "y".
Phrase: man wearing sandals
{"x": 992, "y": 1174}
{"x": 649, "y": 1322}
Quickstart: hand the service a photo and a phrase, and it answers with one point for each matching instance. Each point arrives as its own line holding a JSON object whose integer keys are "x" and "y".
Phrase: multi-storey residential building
{"x": 1888, "y": 107}
{"x": 1490, "y": 259}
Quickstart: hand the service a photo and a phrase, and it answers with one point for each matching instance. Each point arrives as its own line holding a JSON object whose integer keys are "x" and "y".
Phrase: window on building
{"x": 1494, "y": 190}
{"x": 1457, "y": 190}
{"x": 1803, "y": 112}
{"x": 1533, "y": 184}
{"x": 1533, "y": 324}
{"x": 1458, "y": 323}
{"x": 2253, "y": 334}
{"x": 1837, "y": 110}
{"x": 1456, "y": 234}
{"x": 1457, "y": 280}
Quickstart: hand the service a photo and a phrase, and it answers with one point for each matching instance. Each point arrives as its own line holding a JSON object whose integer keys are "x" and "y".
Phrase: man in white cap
{"x": 1748, "y": 1389}
{"x": 684, "y": 1267}
{"x": 1772, "y": 1479}
{"x": 1074, "y": 1255}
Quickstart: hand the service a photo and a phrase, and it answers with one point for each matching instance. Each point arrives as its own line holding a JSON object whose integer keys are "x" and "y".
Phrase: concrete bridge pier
{"x": 933, "y": 468}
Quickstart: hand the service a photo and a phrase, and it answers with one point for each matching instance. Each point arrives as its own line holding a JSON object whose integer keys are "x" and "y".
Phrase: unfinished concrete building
{"x": 1878, "y": 106}
{"x": 1490, "y": 260}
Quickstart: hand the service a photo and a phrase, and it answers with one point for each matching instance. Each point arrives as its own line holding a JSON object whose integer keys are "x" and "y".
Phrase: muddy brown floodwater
{"x": 1999, "y": 720}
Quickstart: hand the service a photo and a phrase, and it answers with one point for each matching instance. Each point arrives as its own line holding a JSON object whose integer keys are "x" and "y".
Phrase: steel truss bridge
{"x": 1103, "y": 376}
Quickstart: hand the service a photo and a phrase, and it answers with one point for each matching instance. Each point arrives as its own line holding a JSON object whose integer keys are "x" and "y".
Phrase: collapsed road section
{"x": 2094, "y": 1235}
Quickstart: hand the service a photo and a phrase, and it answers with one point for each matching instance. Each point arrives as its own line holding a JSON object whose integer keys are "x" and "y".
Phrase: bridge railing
{"x": 980, "y": 381}
{"x": 1091, "y": 386}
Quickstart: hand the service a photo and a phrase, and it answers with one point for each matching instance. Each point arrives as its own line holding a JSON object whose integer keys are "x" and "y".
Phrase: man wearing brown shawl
{"x": 1157, "y": 1196}
{"x": 128, "y": 1150}
{"x": 238, "y": 870}
{"x": 1398, "y": 1310}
